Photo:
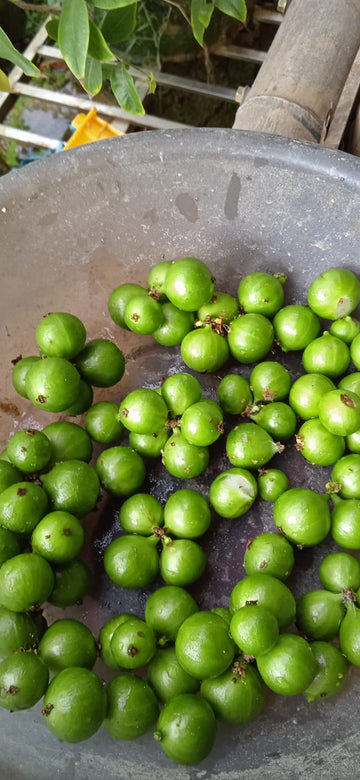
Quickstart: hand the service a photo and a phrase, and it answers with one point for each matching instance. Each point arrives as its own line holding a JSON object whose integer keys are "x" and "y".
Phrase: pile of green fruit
{"x": 202, "y": 665}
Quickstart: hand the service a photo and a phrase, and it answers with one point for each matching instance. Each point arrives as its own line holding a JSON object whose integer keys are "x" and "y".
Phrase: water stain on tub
{"x": 187, "y": 207}
{"x": 231, "y": 206}
{"x": 9, "y": 408}
{"x": 48, "y": 219}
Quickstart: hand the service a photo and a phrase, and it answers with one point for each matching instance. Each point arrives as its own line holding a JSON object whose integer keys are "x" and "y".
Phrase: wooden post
{"x": 298, "y": 86}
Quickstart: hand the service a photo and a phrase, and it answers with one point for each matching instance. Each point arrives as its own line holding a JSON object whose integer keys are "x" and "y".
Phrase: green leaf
{"x": 8, "y": 52}
{"x": 93, "y": 76}
{"x": 4, "y": 82}
{"x": 98, "y": 48}
{"x": 234, "y": 8}
{"x": 201, "y": 13}
{"x": 119, "y": 24}
{"x": 123, "y": 87}
{"x": 111, "y": 4}
{"x": 205, "y": 13}
{"x": 152, "y": 86}
{"x": 73, "y": 38}
{"x": 52, "y": 28}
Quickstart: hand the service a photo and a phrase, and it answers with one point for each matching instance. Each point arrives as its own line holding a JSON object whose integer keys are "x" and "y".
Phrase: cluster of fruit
{"x": 47, "y": 485}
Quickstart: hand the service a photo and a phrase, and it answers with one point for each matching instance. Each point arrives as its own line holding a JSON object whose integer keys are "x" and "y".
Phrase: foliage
{"x": 97, "y": 43}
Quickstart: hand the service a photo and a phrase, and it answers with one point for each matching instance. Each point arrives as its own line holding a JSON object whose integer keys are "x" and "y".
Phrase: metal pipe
{"x": 300, "y": 82}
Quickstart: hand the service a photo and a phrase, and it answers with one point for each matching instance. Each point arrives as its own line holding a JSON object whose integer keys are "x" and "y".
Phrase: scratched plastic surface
{"x": 72, "y": 228}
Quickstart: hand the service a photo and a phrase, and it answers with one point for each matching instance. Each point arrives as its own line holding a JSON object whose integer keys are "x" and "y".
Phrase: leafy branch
{"x": 88, "y": 33}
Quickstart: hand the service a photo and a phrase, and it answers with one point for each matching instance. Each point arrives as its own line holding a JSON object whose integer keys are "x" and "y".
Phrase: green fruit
{"x": 68, "y": 442}
{"x": 180, "y": 391}
{"x": 331, "y": 674}
{"x": 234, "y": 394}
{"x": 143, "y": 315}
{"x": 174, "y": 326}
{"x": 233, "y": 492}
{"x": 202, "y": 423}
{"x": 319, "y": 614}
{"x": 22, "y": 505}
{"x": 20, "y": 371}
{"x": 132, "y": 561}
{"x": 187, "y": 514}
{"x": 204, "y": 350}
{"x": 74, "y": 704}
{"x": 346, "y": 329}
{"x": 167, "y": 677}
{"x": 204, "y": 647}
{"x": 101, "y": 363}
{"x": 105, "y": 637}
{"x": 349, "y": 634}
{"x": 223, "y": 613}
{"x": 306, "y": 393}
{"x": 72, "y": 486}
{"x": 186, "y": 729}
{"x": 25, "y": 580}
{"x": 270, "y": 381}
{"x": 295, "y": 327}
{"x": 237, "y": 695}
{"x": 157, "y": 279}
{"x": 277, "y": 418}
{"x": 72, "y": 582}
{"x": 269, "y": 554}
{"x": 254, "y": 629}
{"x": 346, "y": 474}
{"x": 119, "y": 298}
{"x": 19, "y": 631}
{"x": 182, "y": 459}
{"x": 262, "y": 293}
{"x": 345, "y": 522}
{"x": 9, "y": 475}
{"x": 23, "y": 681}
{"x": 189, "y": 283}
{"x": 83, "y": 400}
{"x": 140, "y": 514}
{"x": 102, "y": 423}
{"x": 121, "y": 470}
{"x": 149, "y": 445}
{"x": 60, "y": 335}
{"x": 290, "y": 667}
{"x": 250, "y": 337}
{"x": 272, "y": 483}
{"x": 166, "y": 609}
{"x": 266, "y": 591}
{"x": 220, "y": 308}
{"x": 317, "y": 445}
{"x": 52, "y": 384}
{"x": 182, "y": 562}
{"x": 9, "y": 544}
{"x": 339, "y": 571}
{"x": 339, "y": 412}
{"x": 133, "y": 643}
{"x": 143, "y": 411}
{"x": 132, "y": 707}
{"x": 303, "y": 516}
{"x": 58, "y": 537}
{"x": 250, "y": 446}
{"x": 334, "y": 294}
{"x": 67, "y": 643}
{"x": 326, "y": 355}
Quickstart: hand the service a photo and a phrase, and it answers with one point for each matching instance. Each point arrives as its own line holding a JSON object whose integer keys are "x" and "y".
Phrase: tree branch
{"x": 178, "y": 6}
{"x": 45, "y": 9}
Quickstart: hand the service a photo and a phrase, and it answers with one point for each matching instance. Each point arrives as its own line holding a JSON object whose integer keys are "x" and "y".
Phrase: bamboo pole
{"x": 299, "y": 84}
